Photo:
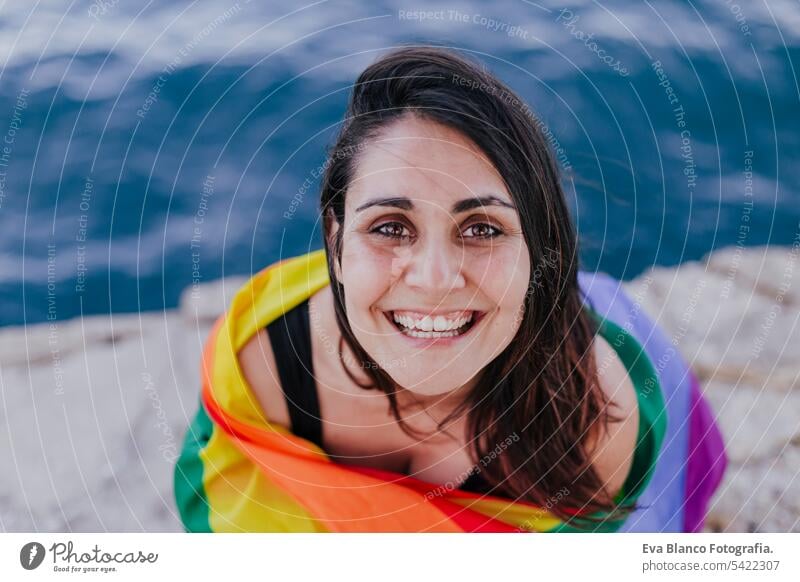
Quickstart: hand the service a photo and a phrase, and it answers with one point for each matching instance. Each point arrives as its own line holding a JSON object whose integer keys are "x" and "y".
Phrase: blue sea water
{"x": 147, "y": 146}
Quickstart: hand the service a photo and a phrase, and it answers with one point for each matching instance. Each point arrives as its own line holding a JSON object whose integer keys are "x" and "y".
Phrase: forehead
{"x": 416, "y": 157}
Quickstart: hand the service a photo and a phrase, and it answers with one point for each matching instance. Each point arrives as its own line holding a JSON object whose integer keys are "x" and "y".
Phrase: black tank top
{"x": 290, "y": 337}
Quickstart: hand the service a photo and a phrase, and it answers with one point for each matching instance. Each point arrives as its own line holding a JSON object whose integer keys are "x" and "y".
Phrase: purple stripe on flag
{"x": 706, "y": 460}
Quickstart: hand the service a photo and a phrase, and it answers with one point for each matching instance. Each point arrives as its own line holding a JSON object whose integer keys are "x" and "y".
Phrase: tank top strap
{"x": 290, "y": 336}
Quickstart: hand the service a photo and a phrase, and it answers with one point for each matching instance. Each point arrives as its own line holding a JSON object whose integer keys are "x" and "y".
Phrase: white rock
{"x": 204, "y": 303}
{"x": 95, "y": 426}
{"x": 729, "y": 333}
{"x": 756, "y": 423}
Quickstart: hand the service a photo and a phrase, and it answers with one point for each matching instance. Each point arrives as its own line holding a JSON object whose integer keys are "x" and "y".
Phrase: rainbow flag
{"x": 238, "y": 472}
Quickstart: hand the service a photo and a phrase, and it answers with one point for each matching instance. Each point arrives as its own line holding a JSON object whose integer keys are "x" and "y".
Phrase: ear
{"x": 332, "y": 227}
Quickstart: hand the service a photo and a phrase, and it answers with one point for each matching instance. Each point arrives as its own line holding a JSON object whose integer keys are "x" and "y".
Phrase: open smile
{"x": 419, "y": 326}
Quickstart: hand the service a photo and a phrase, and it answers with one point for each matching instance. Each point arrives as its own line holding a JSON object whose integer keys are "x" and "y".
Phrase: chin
{"x": 434, "y": 384}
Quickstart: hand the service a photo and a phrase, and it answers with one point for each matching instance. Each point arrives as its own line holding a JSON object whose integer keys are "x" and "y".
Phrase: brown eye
{"x": 483, "y": 230}
{"x": 391, "y": 230}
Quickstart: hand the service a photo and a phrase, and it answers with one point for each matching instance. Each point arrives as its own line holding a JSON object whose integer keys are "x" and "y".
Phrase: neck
{"x": 436, "y": 406}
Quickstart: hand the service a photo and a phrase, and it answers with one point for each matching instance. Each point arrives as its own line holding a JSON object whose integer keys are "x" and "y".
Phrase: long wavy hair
{"x": 543, "y": 387}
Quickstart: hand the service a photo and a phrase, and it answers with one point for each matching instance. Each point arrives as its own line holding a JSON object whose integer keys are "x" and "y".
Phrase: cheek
{"x": 366, "y": 278}
{"x": 502, "y": 277}
{"x": 379, "y": 262}
{"x": 504, "y": 283}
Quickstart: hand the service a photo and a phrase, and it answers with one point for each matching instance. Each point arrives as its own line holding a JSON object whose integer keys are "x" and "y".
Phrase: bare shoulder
{"x": 257, "y": 362}
{"x": 612, "y": 450}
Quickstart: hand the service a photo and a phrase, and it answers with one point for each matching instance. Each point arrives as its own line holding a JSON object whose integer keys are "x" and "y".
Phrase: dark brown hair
{"x": 543, "y": 387}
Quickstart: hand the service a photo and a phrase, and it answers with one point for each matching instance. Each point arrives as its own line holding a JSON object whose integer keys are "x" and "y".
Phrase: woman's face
{"x": 434, "y": 264}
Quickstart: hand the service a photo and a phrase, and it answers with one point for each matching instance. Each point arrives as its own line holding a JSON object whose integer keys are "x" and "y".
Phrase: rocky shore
{"x": 94, "y": 409}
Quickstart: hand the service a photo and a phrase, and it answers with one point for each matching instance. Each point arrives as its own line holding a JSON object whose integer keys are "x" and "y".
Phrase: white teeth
{"x": 415, "y": 333}
{"x": 428, "y": 326}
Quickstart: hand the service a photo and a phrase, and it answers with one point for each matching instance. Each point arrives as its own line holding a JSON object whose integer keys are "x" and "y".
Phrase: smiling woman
{"x": 447, "y": 266}
{"x": 438, "y": 366}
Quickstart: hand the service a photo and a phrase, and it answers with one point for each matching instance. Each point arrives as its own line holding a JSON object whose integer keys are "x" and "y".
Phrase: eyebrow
{"x": 405, "y": 203}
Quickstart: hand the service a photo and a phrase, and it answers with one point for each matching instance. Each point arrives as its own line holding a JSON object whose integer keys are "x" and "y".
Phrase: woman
{"x": 440, "y": 365}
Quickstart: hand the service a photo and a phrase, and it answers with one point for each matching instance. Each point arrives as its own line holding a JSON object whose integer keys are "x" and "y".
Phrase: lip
{"x": 442, "y": 342}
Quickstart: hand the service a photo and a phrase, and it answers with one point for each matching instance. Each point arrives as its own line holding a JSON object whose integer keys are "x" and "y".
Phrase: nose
{"x": 435, "y": 267}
